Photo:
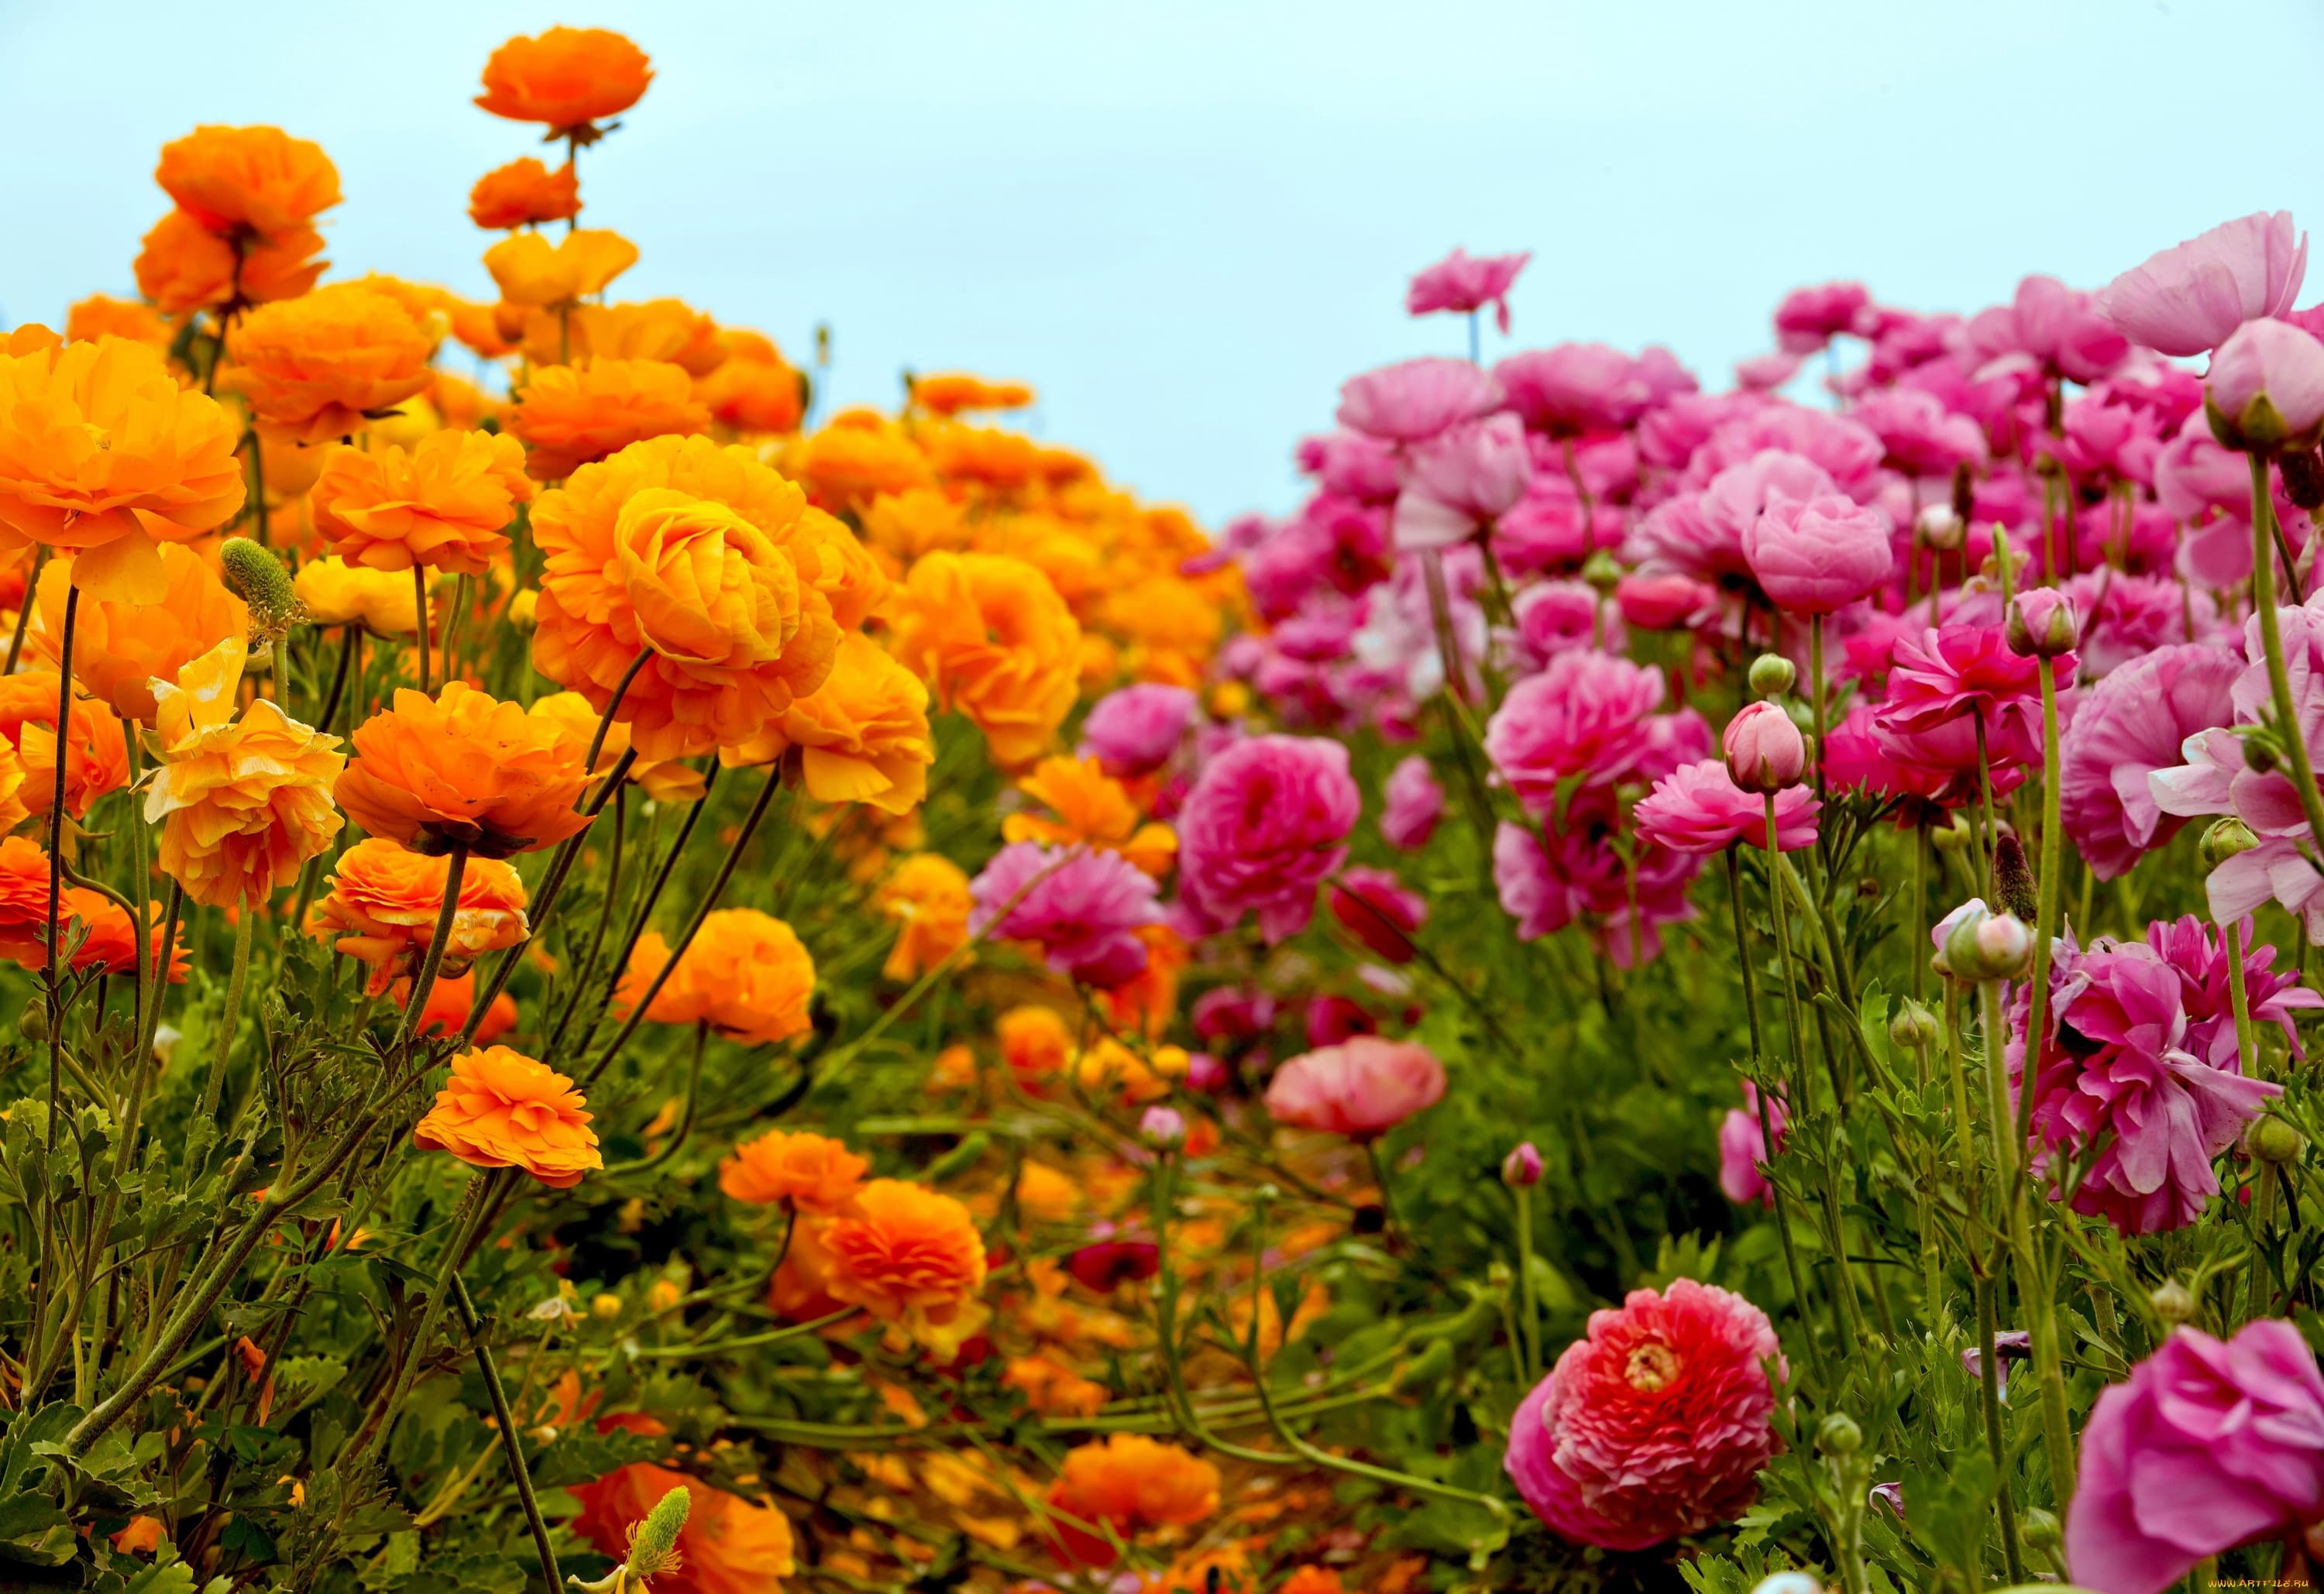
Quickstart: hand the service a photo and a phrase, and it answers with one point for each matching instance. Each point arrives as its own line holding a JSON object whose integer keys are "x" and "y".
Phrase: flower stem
{"x": 238, "y": 981}
{"x": 1988, "y": 1368}
{"x": 1531, "y": 1319}
{"x": 420, "y": 611}
{"x": 511, "y": 1441}
{"x": 432, "y": 959}
{"x": 2271, "y": 636}
{"x": 24, "y": 607}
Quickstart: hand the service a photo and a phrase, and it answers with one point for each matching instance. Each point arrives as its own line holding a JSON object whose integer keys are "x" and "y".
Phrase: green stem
{"x": 432, "y": 960}
{"x": 2271, "y": 636}
{"x": 238, "y": 981}
{"x": 1531, "y": 1319}
{"x": 511, "y": 1439}
{"x": 2035, "y": 1299}
{"x": 1989, "y": 1403}
{"x": 419, "y": 607}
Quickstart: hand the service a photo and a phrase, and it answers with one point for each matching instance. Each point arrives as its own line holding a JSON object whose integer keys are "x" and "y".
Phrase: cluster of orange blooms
{"x": 190, "y": 478}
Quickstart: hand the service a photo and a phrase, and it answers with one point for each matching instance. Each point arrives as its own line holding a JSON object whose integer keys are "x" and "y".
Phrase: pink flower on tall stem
{"x": 1743, "y": 1148}
{"x": 1467, "y": 283}
{"x": 2188, "y": 299}
{"x": 1464, "y": 478}
{"x": 1585, "y": 715}
{"x": 1951, "y": 680}
{"x": 1416, "y": 399}
{"x": 2208, "y": 1445}
{"x": 1574, "y": 389}
{"x": 1268, "y": 820}
{"x": 1082, "y": 906}
{"x": 1818, "y": 554}
{"x": 1654, "y": 1427}
{"x": 1361, "y": 1088}
{"x": 1698, "y": 808}
{"x": 1810, "y": 318}
{"x": 2129, "y": 726}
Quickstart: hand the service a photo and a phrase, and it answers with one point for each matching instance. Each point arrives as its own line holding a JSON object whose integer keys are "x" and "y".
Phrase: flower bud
{"x": 32, "y": 1023}
{"x": 1939, "y": 528}
{"x": 1788, "y": 1582}
{"x": 1913, "y": 1026}
{"x": 2173, "y": 1301}
{"x": 258, "y": 577}
{"x": 1952, "y": 837}
{"x": 653, "y": 1542}
{"x": 2226, "y": 839}
{"x": 1163, "y": 1128}
{"x": 605, "y": 1307}
{"x": 2013, "y": 878}
{"x": 1980, "y": 944}
{"x": 1765, "y": 750}
{"x": 2039, "y": 1528}
{"x": 1772, "y": 674}
{"x": 1838, "y": 1436}
{"x": 666, "y": 1293}
{"x": 1601, "y": 571}
{"x": 2042, "y": 623}
{"x": 2273, "y": 1140}
{"x": 1521, "y": 1168}
{"x": 2265, "y": 392}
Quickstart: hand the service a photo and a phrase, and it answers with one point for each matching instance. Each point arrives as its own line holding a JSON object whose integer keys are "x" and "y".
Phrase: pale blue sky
{"x": 1187, "y": 223}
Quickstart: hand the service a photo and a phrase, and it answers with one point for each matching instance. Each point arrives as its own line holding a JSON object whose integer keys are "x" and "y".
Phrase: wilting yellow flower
{"x": 243, "y": 802}
{"x": 445, "y": 503}
{"x": 532, "y": 270}
{"x": 335, "y": 592}
{"x": 992, "y": 638}
{"x": 103, "y": 454}
{"x": 928, "y": 898}
{"x": 864, "y": 732}
{"x": 1091, "y": 805}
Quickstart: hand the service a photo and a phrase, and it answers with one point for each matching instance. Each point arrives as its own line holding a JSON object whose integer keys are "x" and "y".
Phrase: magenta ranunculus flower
{"x": 1268, "y": 820}
{"x": 2046, "y": 327}
{"x": 1586, "y": 715}
{"x": 1818, "y": 554}
{"x": 1764, "y": 749}
{"x": 1943, "y": 684}
{"x": 1416, "y": 399}
{"x": 1135, "y": 730}
{"x": 1082, "y": 906}
{"x": 1361, "y": 1088}
{"x": 1465, "y": 282}
{"x": 1810, "y": 318}
{"x": 2188, "y": 299}
{"x": 1464, "y": 478}
{"x": 1351, "y": 466}
{"x": 1698, "y": 808}
{"x": 1411, "y": 802}
{"x": 1654, "y": 1427}
{"x": 1574, "y": 389}
{"x": 2208, "y": 1446}
{"x": 2265, "y": 388}
{"x": 2129, "y": 726}
{"x": 1665, "y": 602}
{"x": 1743, "y": 1148}
{"x": 1379, "y": 911}
{"x": 1582, "y": 874}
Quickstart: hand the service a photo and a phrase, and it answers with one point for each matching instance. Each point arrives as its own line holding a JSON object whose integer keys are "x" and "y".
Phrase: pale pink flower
{"x": 1923, "y": 438}
{"x": 1361, "y": 1088}
{"x": 1764, "y": 373}
{"x": 1467, "y": 283}
{"x": 2129, "y": 726}
{"x": 1462, "y": 478}
{"x": 2047, "y": 326}
{"x": 1411, "y": 802}
{"x": 1416, "y": 400}
{"x": 2188, "y": 299}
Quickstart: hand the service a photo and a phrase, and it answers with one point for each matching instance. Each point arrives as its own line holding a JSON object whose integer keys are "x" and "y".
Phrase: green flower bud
{"x": 262, "y": 582}
{"x": 1951, "y": 838}
{"x": 1913, "y": 1026}
{"x": 653, "y": 1542}
{"x": 2273, "y": 1140}
{"x": 1772, "y": 674}
{"x": 1839, "y": 1436}
{"x": 1601, "y": 571}
{"x": 2173, "y": 1302}
{"x": 2039, "y": 1528}
{"x": 2226, "y": 839}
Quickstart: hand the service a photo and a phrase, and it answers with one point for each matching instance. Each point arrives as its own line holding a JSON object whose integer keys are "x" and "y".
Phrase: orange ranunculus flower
{"x": 535, "y": 274}
{"x": 992, "y": 639}
{"x": 864, "y": 732}
{"x": 1167, "y": 613}
{"x": 447, "y": 503}
{"x": 906, "y": 525}
{"x": 1053, "y": 1390}
{"x": 248, "y": 179}
{"x": 121, "y": 649}
{"x": 101, "y": 316}
{"x": 463, "y": 769}
{"x": 1133, "y": 1483}
{"x": 385, "y": 902}
{"x": 754, "y": 390}
{"x": 335, "y": 592}
{"x": 905, "y": 1253}
{"x": 183, "y": 266}
{"x": 1091, "y": 805}
{"x": 1146, "y": 1003}
{"x": 1035, "y": 1042}
{"x": 24, "y": 899}
{"x": 852, "y": 577}
{"x": 812, "y": 1171}
{"x": 998, "y": 461}
{"x": 928, "y": 898}
{"x": 860, "y": 455}
{"x": 1075, "y": 564}
{"x": 666, "y": 780}
{"x": 572, "y": 415}
{"x": 108, "y": 943}
{"x": 745, "y": 975}
{"x": 524, "y": 193}
{"x": 13, "y": 810}
{"x": 102, "y": 452}
{"x": 702, "y": 555}
{"x": 1109, "y": 1066}
{"x": 449, "y": 1001}
{"x": 243, "y": 802}
{"x": 318, "y": 367}
{"x": 567, "y": 78}
{"x": 729, "y": 1545}
{"x": 97, "y": 753}
{"x": 949, "y": 393}
{"x": 652, "y": 329}
{"x": 502, "y": 1109}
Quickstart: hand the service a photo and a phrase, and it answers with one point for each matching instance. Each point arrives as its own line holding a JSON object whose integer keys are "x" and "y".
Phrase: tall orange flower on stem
{"x": 812, "y": 1173}
{"x": 745, "y": 975}
{"x": 569, "y": 79}
{"x": 121, "y": 648}
{"x": 243, "y": 229}
{"x": 908, "y": 1256}
{"x": 571, "y": 415}
{"x": 504, "y": 1110}
{"x": 463, "y": 772}
{"x": 524, "y": 193}
{"x": 325, "y": 365}
{"x": 992, "y": 639}
{"x": 385, "y": 903}
{"x": 96, "y": 754}
{"x": 445, "y": 503}
{"x": 863, "y": 734}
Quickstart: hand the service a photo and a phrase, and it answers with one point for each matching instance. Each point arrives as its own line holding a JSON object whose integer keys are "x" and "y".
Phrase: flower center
{"x": 1651, "y": 1366}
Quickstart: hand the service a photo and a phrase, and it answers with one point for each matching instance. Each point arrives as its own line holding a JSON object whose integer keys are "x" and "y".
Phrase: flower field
{"x": 628, "y": 979}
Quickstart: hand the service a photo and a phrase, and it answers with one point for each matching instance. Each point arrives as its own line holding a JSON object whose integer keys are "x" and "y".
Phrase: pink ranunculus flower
{"x": 1922, "y": 436}
{"x": 1134, "y": 731}
{"x": 1082, "y": 906}
{"x": 1665, "y": 602}
{"x": 2208, "y": 1446}
{"x": 1556, "y": 617}
{"x": 1553, "y": 526}
{"x": 1810, "y": 318}
{"x": 1764, "y": 373}
{"x": 1268, "y": 820}
{"x": 2265, "y": 388}
{"x": 1582, "y": 875}
{"x": 1464, "y": 478}
{"x": 1698, "y": 808}
{"x": 1815, "y": 555}
{"x": 1654, "y": 1427}
{"x": 1416, "y": 399}
{"x": 1351, "y": 464}
{"x": 1585, "y": 715}
{"x": 2048, "y": 326}
{"x": 1943, "y": 684}
{"x": 2129, "y": 726}
{"x": 1743, "y": 1148}
{"x": 1361, "y": 1088}
{"x": 1764, "y": 749}
{"x": 1378, "y": 910}
{"x": 1574, "y": 388}
{"x": 2188, "y": 299}
{"x": 1466, "y": 282}
{"x": 1411, "y": 802}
